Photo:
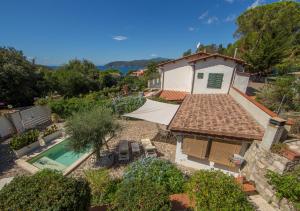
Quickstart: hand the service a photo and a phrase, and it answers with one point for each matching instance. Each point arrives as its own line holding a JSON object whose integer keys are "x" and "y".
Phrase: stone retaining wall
{"x": 258, "y": 162}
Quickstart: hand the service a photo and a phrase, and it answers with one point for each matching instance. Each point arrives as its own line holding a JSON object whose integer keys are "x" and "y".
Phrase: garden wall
{"x": 258, "y": 162}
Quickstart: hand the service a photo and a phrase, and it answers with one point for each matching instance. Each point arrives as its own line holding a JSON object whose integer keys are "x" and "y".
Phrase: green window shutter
{"x": 215, "y": 80}
{"x": 200, "y": 75}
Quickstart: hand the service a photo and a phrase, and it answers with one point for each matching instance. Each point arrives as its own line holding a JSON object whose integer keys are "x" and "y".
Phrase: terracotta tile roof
{"x": 215, "y": 55}
{"x": 217, "y": 115}
{"x": 189, "y": 58}
{"x": 173, "y": 95}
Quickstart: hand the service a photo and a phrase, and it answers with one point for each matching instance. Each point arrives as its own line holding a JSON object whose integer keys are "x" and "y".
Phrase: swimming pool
{"x": 59, "y": 157}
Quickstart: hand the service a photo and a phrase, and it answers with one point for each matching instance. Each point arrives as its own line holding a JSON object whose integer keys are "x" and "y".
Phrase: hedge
{"x": 45, "y": 190}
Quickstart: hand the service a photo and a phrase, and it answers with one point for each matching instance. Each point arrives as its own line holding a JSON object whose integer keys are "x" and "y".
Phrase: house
{"x": 138, "y": 73}
{"x": 201, "y": 73}
{"x": 216, "y": 121}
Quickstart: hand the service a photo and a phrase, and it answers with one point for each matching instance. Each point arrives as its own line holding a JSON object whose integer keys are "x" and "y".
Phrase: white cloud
{"x": 203, "y": 15}
{"x": 212, "y": 20}
{"x": 153, "y": 55}
{"x": 229, "y": 1}
{"x": 230, "y": 18}
{"x": 256, "y": 3}
{"x": 120, "y": 38}
{"x": 191, "y": 29}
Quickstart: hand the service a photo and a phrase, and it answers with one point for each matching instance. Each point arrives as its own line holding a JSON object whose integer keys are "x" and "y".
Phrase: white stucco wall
{"x": 178, "y": 76}
{"x": 257, "y": 113}
{"x": 218, "y": 65}
{"x": 241, "y": 82}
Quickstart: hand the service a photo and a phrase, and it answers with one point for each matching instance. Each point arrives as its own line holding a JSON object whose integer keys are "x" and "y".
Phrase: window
{"x": 200, "y": 75}
{"x": 215, "y": 80}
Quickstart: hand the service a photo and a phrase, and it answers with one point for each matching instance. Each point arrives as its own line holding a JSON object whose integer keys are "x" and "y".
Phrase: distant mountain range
{"x": 135, "y": 63}
{"x": 125, "y": 66}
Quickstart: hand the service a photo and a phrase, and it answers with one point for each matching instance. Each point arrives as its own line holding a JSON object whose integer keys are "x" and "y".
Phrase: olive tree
{"x": 91, "y": 128}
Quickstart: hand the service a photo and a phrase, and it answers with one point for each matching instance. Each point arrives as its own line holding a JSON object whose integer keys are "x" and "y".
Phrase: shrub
{"x": 102, "y": 186}
{"x": 21, "y": 140}
{"x": 141, "y": 194}
{"x": 66, "y": 107}
{"x": 127, "y": 104}
{"x": 46, "y": 190}
{"x": 160, "y": 172}
{"x": 50, "y": 130}
{"x": 214, "y": 190}
{"x": 286, "y": 185}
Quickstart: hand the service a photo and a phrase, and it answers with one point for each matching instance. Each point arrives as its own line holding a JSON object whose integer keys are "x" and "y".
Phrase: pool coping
{"x": 23, "y": 161}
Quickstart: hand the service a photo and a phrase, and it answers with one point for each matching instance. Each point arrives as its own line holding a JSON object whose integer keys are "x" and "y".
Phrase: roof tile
{"x": 215, "y": 114}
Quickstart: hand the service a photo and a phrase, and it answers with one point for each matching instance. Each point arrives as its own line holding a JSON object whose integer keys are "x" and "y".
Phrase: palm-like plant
{"x": 91, "y": 129}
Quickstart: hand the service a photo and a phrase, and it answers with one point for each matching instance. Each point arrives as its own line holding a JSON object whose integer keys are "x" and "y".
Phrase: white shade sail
{"x": 154, "y": 111}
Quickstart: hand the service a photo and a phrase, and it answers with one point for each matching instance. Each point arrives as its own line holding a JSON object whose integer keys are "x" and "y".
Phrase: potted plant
{"x": 21, "y": 144}
{"x": 51, "y": 133}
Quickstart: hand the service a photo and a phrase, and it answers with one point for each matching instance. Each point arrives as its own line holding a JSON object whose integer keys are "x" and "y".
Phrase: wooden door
{"x": 222, "y": 152}
{"x": 194, "y": 147}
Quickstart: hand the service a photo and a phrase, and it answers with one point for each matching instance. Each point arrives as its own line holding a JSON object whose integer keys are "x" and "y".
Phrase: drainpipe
{"x": 232, "y": 78}
{"x": 163, "y": 78}
{"x": 193, "y": 81}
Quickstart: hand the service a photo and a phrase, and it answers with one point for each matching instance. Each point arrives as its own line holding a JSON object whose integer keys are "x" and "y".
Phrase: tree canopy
{"x": 269, "y": 36}
{"x": 18, "y": 78}
{"x": 91, "y": 129}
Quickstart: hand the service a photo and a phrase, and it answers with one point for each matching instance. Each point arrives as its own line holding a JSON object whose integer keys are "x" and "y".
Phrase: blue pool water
{"x": 59, "y": 157}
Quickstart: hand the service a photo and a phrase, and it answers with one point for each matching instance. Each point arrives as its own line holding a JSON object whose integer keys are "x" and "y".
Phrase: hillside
{"x": 135, "y": 63}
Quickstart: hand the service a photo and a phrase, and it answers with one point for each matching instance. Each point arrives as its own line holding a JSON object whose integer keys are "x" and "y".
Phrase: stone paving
{"x": 131, "y": 130}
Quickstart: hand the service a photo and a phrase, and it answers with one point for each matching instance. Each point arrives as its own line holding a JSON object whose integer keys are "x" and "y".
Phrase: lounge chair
{"x": 123, "y": 151}
{"x": 150, "y": 150}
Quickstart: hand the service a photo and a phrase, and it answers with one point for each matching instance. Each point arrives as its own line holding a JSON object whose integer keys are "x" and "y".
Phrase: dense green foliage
{"x": 21, "y": 140}
{"x": 282, "y": 94}
{"x": 141, "y": 194}
{"x": 156, "y": 171}
{"x": 102, "y": 186}
{"x": 66, "y": 107}
{"x": 214, "y": 190}
{"x": 19, "y": 80}
{"x": 286, "y": 185}
{"x": 46, "y": 190}
{"x": 213, "y": 48}
{"x": 187, "y": 53}
{"x": 269, "y": 36}
{"x": 147, "y": 184}
{"x": 127, "y": 104}
{"x": 91, "y": 128}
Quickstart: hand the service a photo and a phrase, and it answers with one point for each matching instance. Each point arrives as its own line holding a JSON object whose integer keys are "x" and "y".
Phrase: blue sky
{"x": 54, "y": 31}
